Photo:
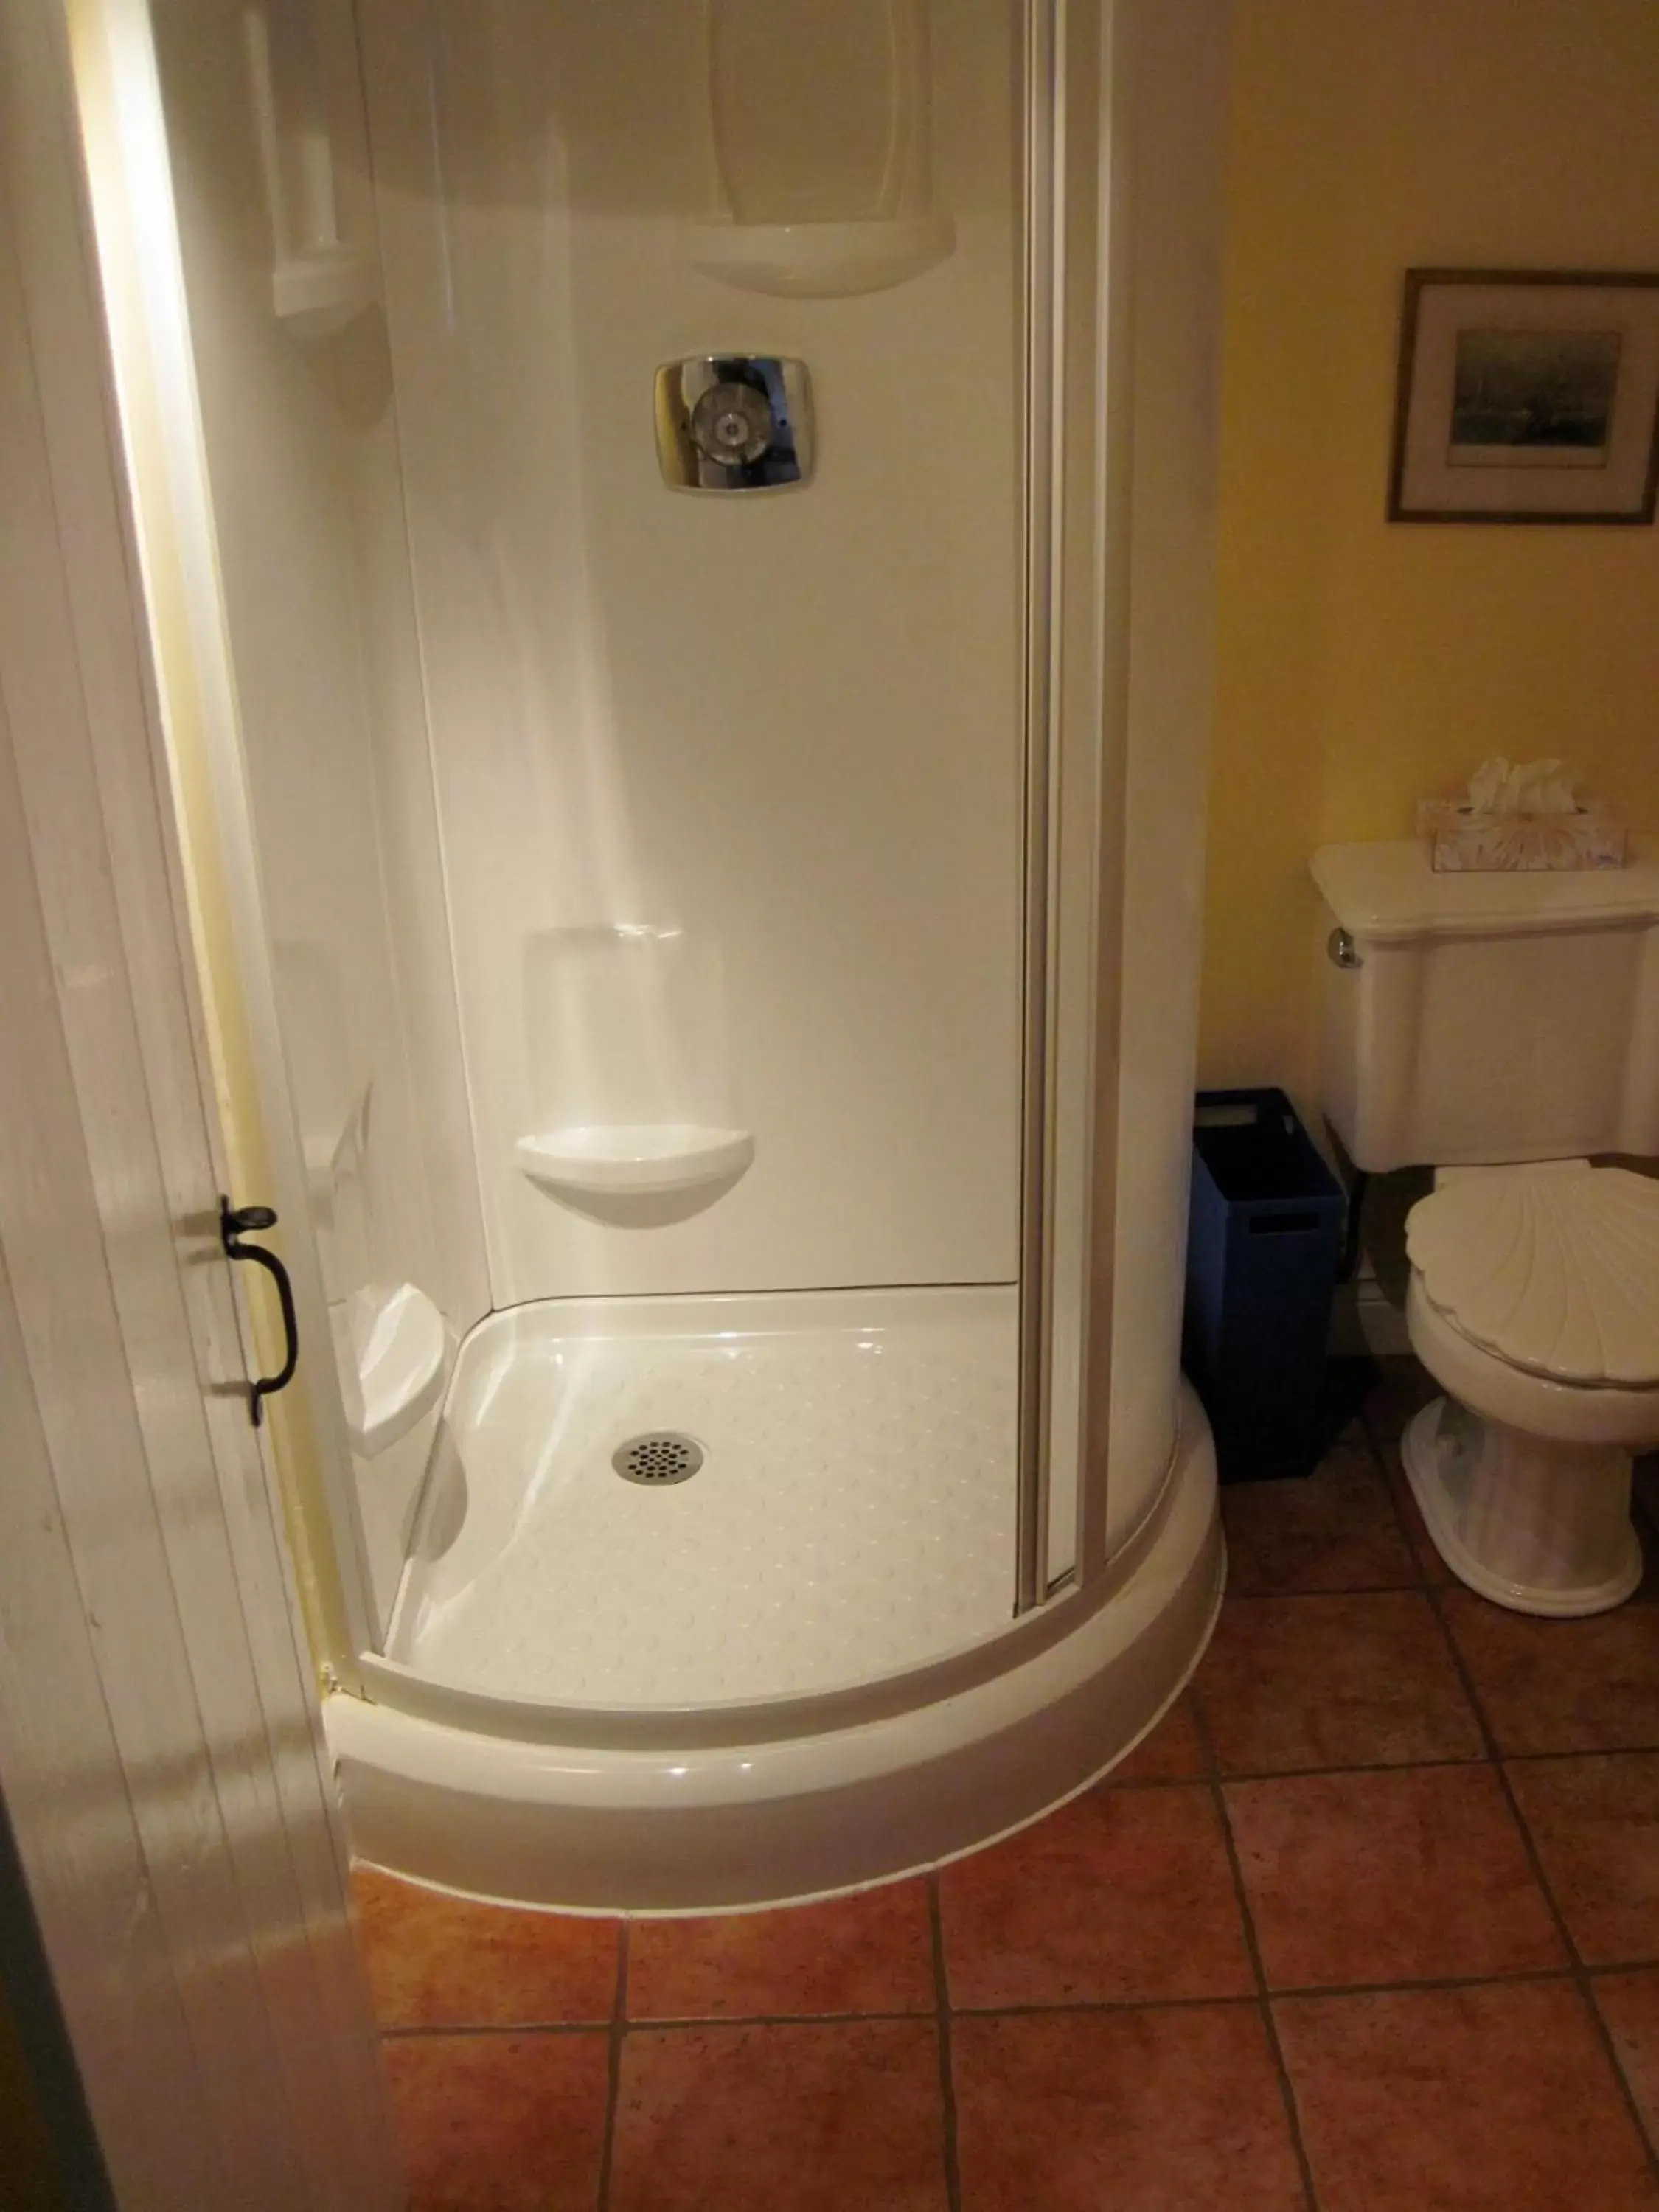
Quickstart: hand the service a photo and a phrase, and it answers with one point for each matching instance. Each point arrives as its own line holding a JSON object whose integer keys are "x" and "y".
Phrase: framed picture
{"x": 1526, "y": 395}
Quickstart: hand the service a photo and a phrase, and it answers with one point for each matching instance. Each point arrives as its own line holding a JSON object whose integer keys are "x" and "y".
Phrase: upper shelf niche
{"x": 320, "y": 281}
{"x": 820, "y": 118}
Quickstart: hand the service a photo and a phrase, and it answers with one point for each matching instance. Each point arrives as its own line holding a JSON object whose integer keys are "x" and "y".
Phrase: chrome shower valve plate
{"x": 734, "y": 422}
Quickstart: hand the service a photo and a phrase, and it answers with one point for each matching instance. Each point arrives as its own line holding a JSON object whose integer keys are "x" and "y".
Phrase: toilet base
{"x": 1535, "y": 1526}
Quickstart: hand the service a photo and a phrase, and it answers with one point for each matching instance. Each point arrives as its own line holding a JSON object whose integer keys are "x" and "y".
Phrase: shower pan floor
{"x": 852, "y": 1516}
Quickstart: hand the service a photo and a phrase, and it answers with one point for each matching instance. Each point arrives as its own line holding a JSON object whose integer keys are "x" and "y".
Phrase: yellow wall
{"x": 1361, "y": 663}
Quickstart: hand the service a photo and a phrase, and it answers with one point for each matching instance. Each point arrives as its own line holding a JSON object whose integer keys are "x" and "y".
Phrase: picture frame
{"x": 1527, "y": 396}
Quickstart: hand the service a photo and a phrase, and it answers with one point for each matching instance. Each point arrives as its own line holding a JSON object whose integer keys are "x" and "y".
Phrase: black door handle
{"x": 233, "y": 1222}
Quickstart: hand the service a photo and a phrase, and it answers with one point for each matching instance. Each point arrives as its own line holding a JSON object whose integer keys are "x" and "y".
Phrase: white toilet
{"x": 1503, "y": 1028}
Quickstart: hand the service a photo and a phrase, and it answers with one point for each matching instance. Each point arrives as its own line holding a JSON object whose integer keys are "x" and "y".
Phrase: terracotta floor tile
{"x": 1429, "y": 1565}
{"x": 1562, "y": 1685}
{"x": 1596, "y": 1822}
{"x": 794, "y": 2118}
{"x": 1332, "y": 1681}
{"x": 1412, "y": 1876}
{"x": 500, "y": 2122}
{"x": 1647, "y": 1591}
{"x": 1122, "y": 1895}
{"x": 1335, "y": 1530}
{"x": 1498, "y": 2099}
{"x": 437, "y": 1961}
{"x": 1142, "y": 2111}
{"x": 1172, "y": 1753}
{"x": 872, "y": 1952}
{"x": 1644, "y": 1483}
{"x": 1630, "y": 2005}
{"x": 1401, "y": 1387}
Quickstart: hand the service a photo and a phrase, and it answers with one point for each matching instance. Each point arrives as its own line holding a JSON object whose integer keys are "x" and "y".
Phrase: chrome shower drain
{"x": 661, "y": 1456}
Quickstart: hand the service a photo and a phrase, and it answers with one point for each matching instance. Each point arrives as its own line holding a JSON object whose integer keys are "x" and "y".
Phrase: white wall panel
{"x": 730, "y": 785}
{"x": 277, "y": 443}
{"x": 306, "y": 523}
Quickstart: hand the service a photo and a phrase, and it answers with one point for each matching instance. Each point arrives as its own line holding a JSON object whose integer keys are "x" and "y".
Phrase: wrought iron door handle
{"x": 234, "y": 1221}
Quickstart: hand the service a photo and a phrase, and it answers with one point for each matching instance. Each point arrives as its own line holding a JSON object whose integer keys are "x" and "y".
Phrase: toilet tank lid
{"x": 1388, "y": 892}
{"x": 1554, "y": 1267}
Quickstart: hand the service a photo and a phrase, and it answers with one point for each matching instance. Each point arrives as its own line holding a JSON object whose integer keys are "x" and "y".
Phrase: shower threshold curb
{"x": 736, "y": 1827}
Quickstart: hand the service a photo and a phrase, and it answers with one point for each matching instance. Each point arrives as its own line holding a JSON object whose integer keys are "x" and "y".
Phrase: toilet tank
{"x": 1475, "y": 1018}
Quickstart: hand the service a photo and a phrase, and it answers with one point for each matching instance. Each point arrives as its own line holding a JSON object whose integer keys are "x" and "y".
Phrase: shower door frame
{"x": 1076, "y": 89}
{"x": 1075, "y": 594}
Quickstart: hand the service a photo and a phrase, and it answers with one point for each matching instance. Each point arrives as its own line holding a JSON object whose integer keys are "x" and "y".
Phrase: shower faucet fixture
{"x": 734, "y": 422}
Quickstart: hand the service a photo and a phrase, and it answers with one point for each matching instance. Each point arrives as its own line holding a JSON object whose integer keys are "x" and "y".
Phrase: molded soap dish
{"x": 615, "y": 1162}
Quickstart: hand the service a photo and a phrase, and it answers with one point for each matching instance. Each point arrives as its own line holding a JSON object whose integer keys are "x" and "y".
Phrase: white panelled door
{"x": 160, "y": 1753}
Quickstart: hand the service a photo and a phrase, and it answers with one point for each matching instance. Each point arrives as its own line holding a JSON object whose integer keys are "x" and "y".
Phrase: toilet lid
{"x": 1554, "y": 1268}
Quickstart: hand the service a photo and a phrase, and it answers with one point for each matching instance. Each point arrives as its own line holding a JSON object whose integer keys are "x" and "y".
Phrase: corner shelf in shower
{"x": 821, "y": 260}
{"x": 320, "y": 281}
{"x": 317, "y": 294}
{"x": 393, "y": 1348}
{"x": 629, "y": 1161}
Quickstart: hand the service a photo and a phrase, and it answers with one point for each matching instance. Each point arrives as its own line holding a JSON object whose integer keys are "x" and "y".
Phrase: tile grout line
{"x": 1263, "y": 2002}
{"x": 1317, "y": 1774}
{"x": 1379, "y": 1457}
{"x": 947, "y": 2082}
{"x": 1268, "y": 1596}
{"x": 1357, "y": 1766}
{"x": 1555, "y": 1757}
{"x": 437, "y": 2032}
{"x": 702, "y": 2023}
{"x": 618, "y": 2029}
{"x": 653, "y": 2023}
{"x": 1385, "y": 1453}
{"x": 1397, "y": 1766}
{"x": 1577, "y": 1968}
{"x": 1274, "y": 1994}
{"x": 1265, "y": 1596}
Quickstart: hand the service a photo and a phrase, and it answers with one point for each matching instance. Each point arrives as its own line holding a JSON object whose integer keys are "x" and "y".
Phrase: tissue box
{"x": 1460, "y": 836}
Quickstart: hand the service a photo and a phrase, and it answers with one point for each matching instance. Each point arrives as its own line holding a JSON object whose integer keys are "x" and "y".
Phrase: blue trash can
{"x": 1263, "y": 1241}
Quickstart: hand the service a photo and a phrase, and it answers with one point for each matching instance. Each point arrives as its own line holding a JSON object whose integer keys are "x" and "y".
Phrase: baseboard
{"x": 1363, "y": 1320}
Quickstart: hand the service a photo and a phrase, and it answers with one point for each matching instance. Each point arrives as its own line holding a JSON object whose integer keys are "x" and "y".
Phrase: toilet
{"x": 1504, "y": 1029}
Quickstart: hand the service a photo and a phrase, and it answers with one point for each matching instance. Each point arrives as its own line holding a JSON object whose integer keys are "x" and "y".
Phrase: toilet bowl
{"x": 1534, "y": 1301}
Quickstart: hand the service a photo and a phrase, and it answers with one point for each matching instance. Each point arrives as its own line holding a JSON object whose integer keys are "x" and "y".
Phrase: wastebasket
{"x": 1262, "y": 1243}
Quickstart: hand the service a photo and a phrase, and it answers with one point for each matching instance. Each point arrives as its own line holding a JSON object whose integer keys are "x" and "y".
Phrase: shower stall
{"x": 678, "y": 545}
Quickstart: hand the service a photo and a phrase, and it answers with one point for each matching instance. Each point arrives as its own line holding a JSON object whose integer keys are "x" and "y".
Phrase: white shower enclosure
{"x": 720, "y": 960}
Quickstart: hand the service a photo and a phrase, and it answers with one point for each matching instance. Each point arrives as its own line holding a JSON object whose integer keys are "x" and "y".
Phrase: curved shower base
{"x": 766, "y": 1802}
{"x": 852, "y": 1516}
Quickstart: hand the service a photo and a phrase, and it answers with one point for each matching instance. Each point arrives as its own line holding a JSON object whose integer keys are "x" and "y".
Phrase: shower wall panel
{"x": 730, "y": 784}
{"x": 301, "y": 441}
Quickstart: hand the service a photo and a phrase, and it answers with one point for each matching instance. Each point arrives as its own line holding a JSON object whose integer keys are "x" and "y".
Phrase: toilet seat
{"x": 1552, "y": 1269}
{"x": 1497, "y": 1389}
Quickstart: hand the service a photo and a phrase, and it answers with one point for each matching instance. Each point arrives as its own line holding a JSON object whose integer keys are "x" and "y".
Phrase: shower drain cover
{"x": 662, "y": 1455}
